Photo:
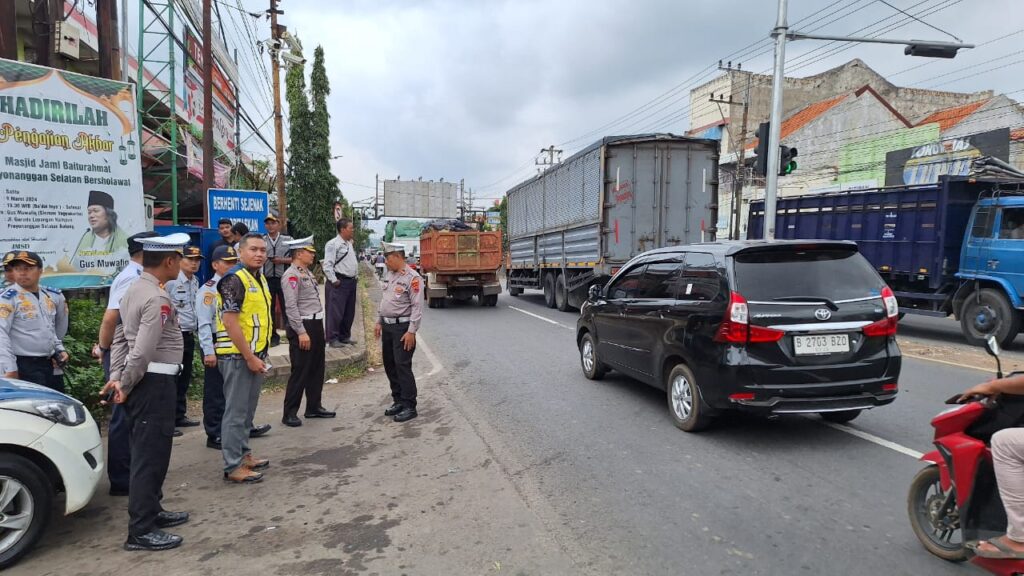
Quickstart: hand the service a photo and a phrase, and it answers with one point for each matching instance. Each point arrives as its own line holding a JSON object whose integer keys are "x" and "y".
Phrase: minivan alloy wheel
{"x": 588, "y": 355}
{"x": 682, "y": 397}
{"x": 17, "y": 509}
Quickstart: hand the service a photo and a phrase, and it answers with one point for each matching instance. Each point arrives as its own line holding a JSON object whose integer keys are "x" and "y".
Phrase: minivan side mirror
{"x": 595, "y": 292}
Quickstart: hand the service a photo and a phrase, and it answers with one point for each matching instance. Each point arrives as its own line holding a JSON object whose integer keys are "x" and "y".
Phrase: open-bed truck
{"x": 578, "y": 222}
{"x": 460, "y": 265}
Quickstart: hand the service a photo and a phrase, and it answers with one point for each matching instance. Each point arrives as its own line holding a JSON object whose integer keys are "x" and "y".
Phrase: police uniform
{"x": 244, "y": 293}
{"x": 145, "y": 359}
{"x": 274, "y": 273}
{"x": 401, "y": 308}
{"x": 208, "y": 316}
{"x": 341, "y": 266}
{"x": 118, "y": 431}
{"x": 28, "y": 335}
{"x": 305, "y": 316}
{"x": 183, "y": 292}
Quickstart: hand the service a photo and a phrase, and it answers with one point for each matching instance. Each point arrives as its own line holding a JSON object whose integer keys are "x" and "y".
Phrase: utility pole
{"x": 108, "y": 46}
{"x": 771, "y": 187}
{"x": 124, "y": 45}
{"x": 208, "y": 64}
{"x": 550, "y": 160}
{"x": 238, "y": 123}
{"x": 9, "y": 30}
{"x": 740, "y": 177}
{"x": 275, "y": 67}
{"x": 56, "y": 15}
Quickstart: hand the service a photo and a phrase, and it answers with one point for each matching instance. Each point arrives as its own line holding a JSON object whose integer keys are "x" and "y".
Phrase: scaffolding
{"x": 155, "y": 36}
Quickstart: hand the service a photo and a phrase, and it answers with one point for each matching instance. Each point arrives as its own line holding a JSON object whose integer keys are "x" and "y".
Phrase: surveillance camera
{"x": 290, "y": 58}
{"x": 293, "y": 42}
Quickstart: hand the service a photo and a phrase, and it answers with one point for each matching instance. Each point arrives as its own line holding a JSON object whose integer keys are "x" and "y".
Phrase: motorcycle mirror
{"x": 992, "y": 346}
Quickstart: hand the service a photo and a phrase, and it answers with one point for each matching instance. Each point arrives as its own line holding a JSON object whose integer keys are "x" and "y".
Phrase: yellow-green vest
{"x": 254, "y": 317}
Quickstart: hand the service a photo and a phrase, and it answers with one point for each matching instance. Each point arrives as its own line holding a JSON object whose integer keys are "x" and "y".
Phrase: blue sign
{"x": 247, "y": 206}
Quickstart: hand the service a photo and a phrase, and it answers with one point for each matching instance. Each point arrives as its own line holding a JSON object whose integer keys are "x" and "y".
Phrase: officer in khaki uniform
{"x": 144, "y": 361}
{"x": 401, "y": 308}
{"x": 305, "y": 330}
{"x": 30, "y": 348}
{"x": 182, "y": 291}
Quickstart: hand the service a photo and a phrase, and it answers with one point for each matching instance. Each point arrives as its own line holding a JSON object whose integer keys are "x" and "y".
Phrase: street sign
{"x": 494, "y": 218}
{"x": 247, "y": 206}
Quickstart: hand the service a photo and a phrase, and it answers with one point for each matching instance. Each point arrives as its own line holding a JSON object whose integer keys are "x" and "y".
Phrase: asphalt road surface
{"x": 625, "y": 492}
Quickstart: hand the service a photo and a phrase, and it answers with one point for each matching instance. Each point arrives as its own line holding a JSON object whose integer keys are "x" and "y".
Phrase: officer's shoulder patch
{"x": 209, "y": 283}
{"x": 52, "y": 290}
{"x": 293, "y": 281}
{"x": 208, "y": 298}
{"x": 5, "y": 310}
{"x": 415, "y": 285}
{"x": 9, "y": 294}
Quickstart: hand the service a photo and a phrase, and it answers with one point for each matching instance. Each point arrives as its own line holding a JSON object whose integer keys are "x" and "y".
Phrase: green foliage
{"x": 503, "y": 209}
{"x": 83, "y": 376}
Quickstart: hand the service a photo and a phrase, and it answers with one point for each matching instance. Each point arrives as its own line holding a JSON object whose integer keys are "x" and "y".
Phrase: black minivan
{"x": 779, "y": 327}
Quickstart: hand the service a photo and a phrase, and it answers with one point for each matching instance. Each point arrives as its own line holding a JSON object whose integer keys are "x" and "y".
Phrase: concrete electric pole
{"x": 275, "y": 67}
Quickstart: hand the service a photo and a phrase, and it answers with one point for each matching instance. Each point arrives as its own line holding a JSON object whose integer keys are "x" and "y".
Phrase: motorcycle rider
{"x": 1008, "y": 462}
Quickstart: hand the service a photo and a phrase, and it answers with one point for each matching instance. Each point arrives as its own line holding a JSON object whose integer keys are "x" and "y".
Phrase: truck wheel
{"x": 549, "y": 290}
{"x": 515, "y": 292}
{"x": 25, "y": 508}
{"x": 987, "y": 312}
{"x": 561, "y": 295}
{"x": 491, "y": 300}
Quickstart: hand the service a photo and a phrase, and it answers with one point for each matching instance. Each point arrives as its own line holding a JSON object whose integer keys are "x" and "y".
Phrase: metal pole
{"x": 738, "y": 178}
{"x": 124, "y": 41}
{"x": 275, "y": 67}
{"x": 208, "y": 64}
{"x": 238, "y": 120}
{"x": 772, "y": 177}
{"x": 172, "y": 122}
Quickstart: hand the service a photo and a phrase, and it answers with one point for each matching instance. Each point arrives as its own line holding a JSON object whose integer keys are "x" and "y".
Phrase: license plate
{"x": 467, "y": 278}
{"x": 821, "y": 344}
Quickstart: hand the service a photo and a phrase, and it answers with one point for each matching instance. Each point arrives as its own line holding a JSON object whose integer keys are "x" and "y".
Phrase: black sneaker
{"x": 155, "y": 540}
{"x": 213, "y": 442}
{"x": 167, "y": 519}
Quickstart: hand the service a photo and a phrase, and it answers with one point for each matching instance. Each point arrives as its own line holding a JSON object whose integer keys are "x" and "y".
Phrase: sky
{"x": 473, "y": 89}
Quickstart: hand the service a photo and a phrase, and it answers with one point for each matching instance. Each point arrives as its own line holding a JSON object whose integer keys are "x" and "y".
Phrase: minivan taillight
{"x": 736, "y": 326}
{"x": 886, "y": 326}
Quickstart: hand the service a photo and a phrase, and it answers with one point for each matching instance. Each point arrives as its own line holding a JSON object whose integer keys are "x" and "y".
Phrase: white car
{"x": 48, "y": 443}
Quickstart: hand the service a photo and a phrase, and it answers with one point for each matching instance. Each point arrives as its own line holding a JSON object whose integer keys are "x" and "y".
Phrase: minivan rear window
{"x": 823, "y": 273}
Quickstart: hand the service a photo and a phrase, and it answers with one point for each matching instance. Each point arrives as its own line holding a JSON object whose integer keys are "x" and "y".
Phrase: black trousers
{"x": 398, "y": 364}
{"x": 341, "y": 309}
{"x": 39, "y": 370}
{"x": 150, "y": 417}
{"x": 185, "y": 377}
{"x": 307, "y": 374}
{"x": 213, "y": 401}
{"x": 277, "y": 299}
{"x": 119, "y": 455}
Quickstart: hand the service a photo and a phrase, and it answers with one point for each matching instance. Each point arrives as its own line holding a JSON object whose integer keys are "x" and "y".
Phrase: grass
{"x": 374, "y": 357}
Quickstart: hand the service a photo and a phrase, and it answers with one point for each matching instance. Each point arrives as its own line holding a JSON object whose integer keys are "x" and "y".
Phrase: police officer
{"x": 208, "y": 315}
{"x": 182, "y": 291}
{"x": 305, "y": 330}
{"x": 241, "y": 344}
{"x": 144, "y": 362}
{"x": 29, "y": 346}
{"x": 278, "y": 261}
{"x": 401, "y": 308}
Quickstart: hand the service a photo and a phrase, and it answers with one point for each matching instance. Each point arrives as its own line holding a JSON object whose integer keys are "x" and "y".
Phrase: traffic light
{"x": 786, "y": 162}
{"x": 761, "y": 161}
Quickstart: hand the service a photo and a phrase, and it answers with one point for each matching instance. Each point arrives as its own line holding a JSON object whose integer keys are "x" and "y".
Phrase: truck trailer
{"x": 578, "y": 222}
{"x": 460, "y": 265}
{"x": 953, "y": 248}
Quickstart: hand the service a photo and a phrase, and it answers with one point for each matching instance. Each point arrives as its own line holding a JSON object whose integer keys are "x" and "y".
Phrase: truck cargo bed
{"x": 444, "y": 252}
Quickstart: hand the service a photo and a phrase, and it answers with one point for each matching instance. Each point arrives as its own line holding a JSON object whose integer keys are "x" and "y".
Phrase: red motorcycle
{"x": 954, "y": 501}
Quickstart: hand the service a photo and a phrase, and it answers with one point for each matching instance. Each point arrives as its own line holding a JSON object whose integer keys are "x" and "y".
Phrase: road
{"x": 625, "y": 492}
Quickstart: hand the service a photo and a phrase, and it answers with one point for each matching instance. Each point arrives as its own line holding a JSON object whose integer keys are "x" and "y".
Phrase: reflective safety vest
{"x": 254, "y": 317}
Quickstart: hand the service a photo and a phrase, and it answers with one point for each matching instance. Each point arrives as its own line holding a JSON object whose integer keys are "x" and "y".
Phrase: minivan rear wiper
{"x": 831, "y": 305}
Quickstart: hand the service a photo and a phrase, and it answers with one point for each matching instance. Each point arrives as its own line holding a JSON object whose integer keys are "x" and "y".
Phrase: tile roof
{"x": 1017, "y": 134}
{"x": 805, "y": 116}
{"x": 949, "y": 117}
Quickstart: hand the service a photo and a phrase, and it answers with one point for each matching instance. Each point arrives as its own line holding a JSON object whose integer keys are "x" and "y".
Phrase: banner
{"x": 247, "y": 206}
{"x": 953, "y": 156}
{"x": 70, "y": 171}
{"x": 223, "y": 96}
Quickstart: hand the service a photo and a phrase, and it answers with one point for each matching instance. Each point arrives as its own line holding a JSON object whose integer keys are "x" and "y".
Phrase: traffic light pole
{"x": 775, "y": 130}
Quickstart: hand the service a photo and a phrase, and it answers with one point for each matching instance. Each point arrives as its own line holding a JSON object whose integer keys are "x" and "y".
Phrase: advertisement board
{"x": 924, "y": 164}
{"x": 223, "y": 96}
{"x": 247, "y": 206}
{"x": 70, "y": 172}
{"x": 420, "y": 199}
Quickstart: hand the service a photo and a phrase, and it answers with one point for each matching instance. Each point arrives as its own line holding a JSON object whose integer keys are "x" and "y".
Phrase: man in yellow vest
{"x": 241, "y": 343}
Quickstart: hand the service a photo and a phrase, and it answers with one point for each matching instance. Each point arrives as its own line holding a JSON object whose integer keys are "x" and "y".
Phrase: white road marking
{"x": 435, "y": 364}
{"x": 875, "y": 440}
{"x": 539, "y": 317}
{"x": 947, "y": 362}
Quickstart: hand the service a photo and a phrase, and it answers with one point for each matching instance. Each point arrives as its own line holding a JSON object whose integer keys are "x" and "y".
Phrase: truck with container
{"x": 577, "y": 223}
{"x": 460, "y": 264}
{"x": 953, "y": 248}
{"x": 406, "y": 233}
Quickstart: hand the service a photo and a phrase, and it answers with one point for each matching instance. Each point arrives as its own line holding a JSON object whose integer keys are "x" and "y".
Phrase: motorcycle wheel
{"x": 937, "y": 529}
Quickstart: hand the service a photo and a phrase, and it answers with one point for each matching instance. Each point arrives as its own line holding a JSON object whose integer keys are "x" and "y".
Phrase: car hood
{"x": 11, "y": 389}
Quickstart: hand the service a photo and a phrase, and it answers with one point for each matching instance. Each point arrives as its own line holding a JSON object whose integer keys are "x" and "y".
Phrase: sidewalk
{"x": 358, "y": 494}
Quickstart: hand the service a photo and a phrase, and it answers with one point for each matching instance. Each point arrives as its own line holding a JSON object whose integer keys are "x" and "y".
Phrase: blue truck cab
{"x": 953, "y": 248}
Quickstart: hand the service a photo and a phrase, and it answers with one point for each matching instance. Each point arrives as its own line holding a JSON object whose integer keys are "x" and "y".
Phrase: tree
{"x": 314, "y": 203}
{"x": 297, "y": 177}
